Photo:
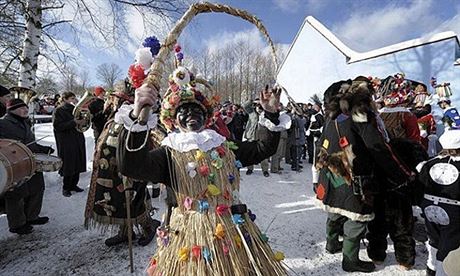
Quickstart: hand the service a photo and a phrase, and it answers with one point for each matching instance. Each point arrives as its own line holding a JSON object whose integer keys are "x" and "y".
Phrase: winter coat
{"x": 2, "y": 110}
{"x": 98, "y": 119}
{"x": 400, "y": 123}
{"x": 16, "y": 128}
{"x": 70, "y": 143}
{"x": 253, "y": 120}
{"x": 297, "y": 131}
{"x": 237, "y": 125}
{"x": 316, "y": 124}
{"x": 371, "y": 154}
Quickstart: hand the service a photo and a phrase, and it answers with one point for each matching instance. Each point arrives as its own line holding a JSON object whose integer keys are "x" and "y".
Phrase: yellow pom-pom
{"x": 213, "y": 190}
{"x": 183, "y": 254}
{"x": 279, "y": 256}
{"x": 220, "y": 231}
{"x": 237, "y": 240}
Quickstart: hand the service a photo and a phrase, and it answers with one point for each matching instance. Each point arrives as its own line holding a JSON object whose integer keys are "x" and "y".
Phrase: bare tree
{"x": 108, "y": 74}
{"x": 42, "y": 23}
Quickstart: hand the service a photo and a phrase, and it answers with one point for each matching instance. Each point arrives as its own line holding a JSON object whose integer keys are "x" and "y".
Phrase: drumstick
{"x": 35, "y": 141}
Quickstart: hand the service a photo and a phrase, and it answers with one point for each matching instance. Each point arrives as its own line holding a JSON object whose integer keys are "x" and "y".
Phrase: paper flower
{"x": 183, "y": 254}
{"x": 213, "y": 190}
{"x": 212, "y": 178}
{"x": 264, "y": 237}
{"x": 251, "y": 215}
{"x": 188, "y": 203}
{"x": 199, "y": 155}
{"x": 222, "y": 209}
{"x": 226, "y": 194}
{"x": 218, "y": 163}
{"x": 225, "y": 248}
{"x": 237, "y": 240}
{"x": 192, "y": 173}
{"x": 204, "y": 170}
{"x": 237, "y": 219}
{"x": 203, "y": 206}
{"x": 279, "y": 256}
{"x": 220, "y": 231}
{"x": 196, "y": 252}
{"x": 236, "y": 196}
{"x": 220, "y": 150}
{"x": 247, "y": 238}
{"x": 238, "y": 164}
{"x": 231, "y": 178}
{"x": 231, "y": 145}
{"x": 177, "y": 48}
{"x": 214, "y": 155}
{"x": 206, "y": 254}
{"x": 191, "y": 165}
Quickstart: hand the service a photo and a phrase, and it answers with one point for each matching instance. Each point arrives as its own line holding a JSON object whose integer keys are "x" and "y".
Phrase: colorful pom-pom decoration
{"x": 218, "y": 163}
{"x": 247, "y": 238}
{"x": 212, "y": 178}
{"x": 264, "y": 237}
{"x": 251, "y": 215}
{"x": 177, "y": 48}
{"x": 231, "y": 145}
{"x": 221, "y": 151}
{"x": 226, "y": 195}
{"x": 214, "y": 155}
{"x": 153, "y": 44}
{"x": 136, "y": 75}
{"x": 237, "y": 240}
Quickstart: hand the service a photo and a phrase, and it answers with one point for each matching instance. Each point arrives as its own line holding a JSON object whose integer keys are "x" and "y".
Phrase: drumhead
{"x": 39, "y": 157}
{"x": 3, "y": 178}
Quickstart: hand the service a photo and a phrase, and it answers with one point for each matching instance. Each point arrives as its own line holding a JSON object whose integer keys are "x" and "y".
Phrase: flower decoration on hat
{"x": 399, "y": 92}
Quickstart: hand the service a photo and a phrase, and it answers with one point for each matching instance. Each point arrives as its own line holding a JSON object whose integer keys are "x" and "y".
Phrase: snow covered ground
{"x": 284, "y": 205}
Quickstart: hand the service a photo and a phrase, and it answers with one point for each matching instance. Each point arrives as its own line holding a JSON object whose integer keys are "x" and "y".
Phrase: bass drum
{"x": 17, "y": 164}
{"x": 47, "y": 163}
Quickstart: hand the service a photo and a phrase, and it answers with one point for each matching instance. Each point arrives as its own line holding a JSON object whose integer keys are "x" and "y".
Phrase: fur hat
{"x": 182, "y": 89}
{"x": 15, "y": 104}
{"x": 4, "y": 91}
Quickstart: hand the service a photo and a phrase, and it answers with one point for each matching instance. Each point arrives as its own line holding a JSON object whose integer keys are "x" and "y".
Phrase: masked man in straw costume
{"x": 210, "y": 231}
{"x": 106, "y": 203}
{"x": 441, "y": 201}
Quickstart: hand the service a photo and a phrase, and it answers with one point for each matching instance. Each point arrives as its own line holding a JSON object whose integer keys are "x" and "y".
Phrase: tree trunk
{"x": 31, "y": 46}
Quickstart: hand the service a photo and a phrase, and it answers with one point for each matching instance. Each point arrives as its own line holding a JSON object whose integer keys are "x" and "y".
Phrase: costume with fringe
{"x": 210, "y": 232}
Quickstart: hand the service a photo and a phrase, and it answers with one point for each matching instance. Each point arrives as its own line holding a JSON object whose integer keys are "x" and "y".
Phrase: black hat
{"x": 4, "y": 91}
{"x": 14, "y": 104}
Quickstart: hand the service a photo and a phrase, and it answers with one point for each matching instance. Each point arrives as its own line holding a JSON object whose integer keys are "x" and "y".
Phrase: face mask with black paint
{"x": 190, "y": 117}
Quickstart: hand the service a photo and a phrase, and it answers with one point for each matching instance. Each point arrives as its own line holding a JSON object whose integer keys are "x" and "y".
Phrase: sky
{"x": 361, "y": 24}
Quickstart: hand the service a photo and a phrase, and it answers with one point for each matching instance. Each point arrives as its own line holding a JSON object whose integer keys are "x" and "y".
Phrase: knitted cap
{"x": 15, "y": 104}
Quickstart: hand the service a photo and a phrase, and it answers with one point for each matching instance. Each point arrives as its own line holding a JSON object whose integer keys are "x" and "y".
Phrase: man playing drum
{"x": 23, "y": 202}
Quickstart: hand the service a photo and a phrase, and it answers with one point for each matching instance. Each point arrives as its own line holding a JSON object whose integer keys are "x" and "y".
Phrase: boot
{"x": 334, "y": 247}
{"x": 119, "y": 238}
{"x": 149, "y": 233}
{"x": 357, "y": 265}
{"x": 430, "y": 272}
{"x": 39, "y": 221}
{"x": 248, "y": 172}
{"x": 22, "y": 230}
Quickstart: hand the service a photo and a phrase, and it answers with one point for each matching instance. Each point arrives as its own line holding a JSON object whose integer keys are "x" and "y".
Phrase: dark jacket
{"x": 2, "y": 110}
{"x": 70, "y": 143}
{"x": 372, "y": 156}
{"x": 98, "y": 119}
{"x": 16, "y": 128}
{"x": 155, "y": 165}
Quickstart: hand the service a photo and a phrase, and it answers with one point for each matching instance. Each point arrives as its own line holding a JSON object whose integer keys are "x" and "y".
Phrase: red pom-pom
{"x": 177, "y": 48}
{"x": 136, "y": 75}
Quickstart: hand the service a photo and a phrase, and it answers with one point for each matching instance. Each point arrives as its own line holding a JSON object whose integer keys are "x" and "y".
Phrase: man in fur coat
{"x": 351, "y": 150}
{"x": 393, "y": 207}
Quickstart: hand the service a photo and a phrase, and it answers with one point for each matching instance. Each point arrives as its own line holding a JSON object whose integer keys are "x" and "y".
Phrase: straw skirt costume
{"x": 211, "y": 231}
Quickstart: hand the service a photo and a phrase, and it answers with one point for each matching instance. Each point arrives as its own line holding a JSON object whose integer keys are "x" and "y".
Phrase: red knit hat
{"x": 98, "y": 90}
